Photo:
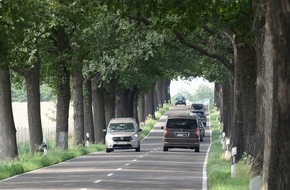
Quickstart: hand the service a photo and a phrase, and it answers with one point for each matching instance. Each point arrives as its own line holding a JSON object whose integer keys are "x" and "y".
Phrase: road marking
{"x": 204, "y": 174}
{"x": 140, "y": 156}
{"x": 110, "y": 174}
{"x": 119, "y": 169}
{"x": 127, "y": 164}
{"x": 98, "y": 181}
{"x": 83, "y": 189}
{"x": 134, "y": 160}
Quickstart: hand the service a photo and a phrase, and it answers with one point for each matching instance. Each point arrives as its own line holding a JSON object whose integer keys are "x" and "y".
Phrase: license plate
{"x": 181, "y": 135}
{"x": 121, "y": 143}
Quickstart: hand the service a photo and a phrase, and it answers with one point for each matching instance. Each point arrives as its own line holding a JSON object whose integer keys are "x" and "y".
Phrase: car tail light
{"x": 197, "y": 133}
{"x": 165, "y": 132}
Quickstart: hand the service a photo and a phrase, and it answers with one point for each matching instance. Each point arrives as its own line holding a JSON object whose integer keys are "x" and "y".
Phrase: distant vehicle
{"x": 122, "y": 133}
{"x": 181, "y": 131}
{"x": 180, "y": 100}
{"x": 201, "y": 130}
{"x": 201, "y": 115}
{"x": 197, "y": 106}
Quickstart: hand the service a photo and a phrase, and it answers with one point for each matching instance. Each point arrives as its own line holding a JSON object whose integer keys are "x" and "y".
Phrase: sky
{"x": 185, "y": 85}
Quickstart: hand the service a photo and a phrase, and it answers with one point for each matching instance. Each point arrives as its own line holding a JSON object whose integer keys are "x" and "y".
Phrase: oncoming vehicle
{"x": 122, "y": 133}
{"x": 180, "y": 100}
{"x": 181, "y": 132}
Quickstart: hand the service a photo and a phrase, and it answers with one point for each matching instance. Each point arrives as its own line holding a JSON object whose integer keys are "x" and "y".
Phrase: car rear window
{"x": 182, "y": 123}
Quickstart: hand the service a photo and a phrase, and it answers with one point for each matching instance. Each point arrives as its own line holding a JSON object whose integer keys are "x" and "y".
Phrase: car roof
{"x": 183, "y": 116}
{"x": 122, "y": 120}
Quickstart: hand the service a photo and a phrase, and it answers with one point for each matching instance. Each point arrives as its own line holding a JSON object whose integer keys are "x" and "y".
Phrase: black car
{"x": 201, "y": 115}
{"x": 180, "y": 100}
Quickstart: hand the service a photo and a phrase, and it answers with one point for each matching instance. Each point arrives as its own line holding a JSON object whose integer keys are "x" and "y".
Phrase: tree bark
{"x": 149, "y": 103}
{"x": 264, "y": 78}
{"x": 159, "y": 93}
{"x": 276, "y": 160}
{"x": 98, "y": 111}
{"x": 141, "y": 109}
{"x": 78, "y": 106}
{"x": 63, "y": 92}
{"x": 109, "y": 101}
{"x": 32, "y": 79}
{"x": 88, "y": 111}
{"x": 8, "y": 144}
{"x": 125, "y": 103}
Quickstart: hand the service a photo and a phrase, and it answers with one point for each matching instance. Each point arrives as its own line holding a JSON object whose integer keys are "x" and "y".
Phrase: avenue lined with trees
{"x": 116, "y": 59}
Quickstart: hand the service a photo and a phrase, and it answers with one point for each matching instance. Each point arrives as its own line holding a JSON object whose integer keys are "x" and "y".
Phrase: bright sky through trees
{"x": 186, "y": 85}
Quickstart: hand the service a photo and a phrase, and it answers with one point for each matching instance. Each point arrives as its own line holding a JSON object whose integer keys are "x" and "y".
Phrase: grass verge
{"x": 219, "y": 168}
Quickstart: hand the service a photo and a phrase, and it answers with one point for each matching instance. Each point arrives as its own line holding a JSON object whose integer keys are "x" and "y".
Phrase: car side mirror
{"x": 162, "y": 127}
{"x": 139, "y": 130}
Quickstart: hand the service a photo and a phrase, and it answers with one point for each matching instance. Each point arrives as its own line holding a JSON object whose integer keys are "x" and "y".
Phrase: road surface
{"x": 151, "y": 168}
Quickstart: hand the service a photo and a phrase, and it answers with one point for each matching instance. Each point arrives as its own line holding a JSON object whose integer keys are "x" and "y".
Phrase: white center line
{"x": 98, "y": 181}
{"x": 110, "y": 174}
{"x": 134, "y": 160}
{"x": 140, "y": 156}
{"x": 83, "y": 189}
{"x": 119, "y": 169}
{"x": 127, "y": 164}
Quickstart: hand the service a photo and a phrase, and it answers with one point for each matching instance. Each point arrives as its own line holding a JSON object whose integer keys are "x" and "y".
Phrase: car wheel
{"x": 108, "y": 150}
{"x": 165, "y": 148}
{"x": 137, "y": 149}
{"x": 196, "y": 149}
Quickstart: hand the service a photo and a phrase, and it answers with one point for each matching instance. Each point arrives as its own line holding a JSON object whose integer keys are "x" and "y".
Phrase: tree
{"x": 276, "y": 165}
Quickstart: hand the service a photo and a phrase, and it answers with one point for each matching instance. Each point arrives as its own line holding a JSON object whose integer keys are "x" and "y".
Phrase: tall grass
{"x": 219, "y": 168}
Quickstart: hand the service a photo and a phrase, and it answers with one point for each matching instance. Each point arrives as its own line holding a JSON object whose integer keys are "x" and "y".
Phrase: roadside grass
{"x": 27, "y": 162}
{"x": 219, "y": 167}
{"x": 149, "y": 123}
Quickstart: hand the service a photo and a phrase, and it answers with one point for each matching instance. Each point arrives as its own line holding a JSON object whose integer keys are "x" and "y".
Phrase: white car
{"x": 122, "y": 133}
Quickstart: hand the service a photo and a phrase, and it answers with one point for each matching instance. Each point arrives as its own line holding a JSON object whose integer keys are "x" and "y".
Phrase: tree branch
{"x": 181, "y": 38}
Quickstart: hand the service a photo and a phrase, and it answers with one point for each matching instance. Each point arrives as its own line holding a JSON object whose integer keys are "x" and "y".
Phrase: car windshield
{"x": 121, "y": 127}
{"x": 182, "y": 123}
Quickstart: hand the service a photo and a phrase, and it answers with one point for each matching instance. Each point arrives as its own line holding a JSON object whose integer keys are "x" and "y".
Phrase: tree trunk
{"x": 226, "y": 107}
{"x": 149, "y": 104}
{"x": 109, "y": 100}
{"x": 263, "y": 82}
{"x": 125, "y": 103}
{"x": 8, "y": 145}
{"x": 98, "y": 111}
{"x": 166, "y": 90}
{"x": 88, "y": 111}
{"x": 159, "y": 93}
{"x": 78, "y": 106}
{"x": 141, "y": 109}
{"x": 249, "y": 77}
{"x": 276, "y": 159}
{"x": 32, "y": 78}
{"x": 63, "y": 92}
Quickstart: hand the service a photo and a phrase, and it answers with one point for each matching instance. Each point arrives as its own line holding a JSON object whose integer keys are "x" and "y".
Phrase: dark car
{"x": 201, "y": 115}
{"x": 201, "y": 130}
{"x": 181, "y": 132}
{"x": 180, "y": 100}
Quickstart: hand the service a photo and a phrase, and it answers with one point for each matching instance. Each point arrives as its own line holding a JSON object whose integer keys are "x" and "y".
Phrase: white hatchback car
{"x": 122, "y": 133}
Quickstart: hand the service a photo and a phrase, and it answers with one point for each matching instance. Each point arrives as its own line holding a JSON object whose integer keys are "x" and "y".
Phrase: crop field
{"x": 48, "y": 115}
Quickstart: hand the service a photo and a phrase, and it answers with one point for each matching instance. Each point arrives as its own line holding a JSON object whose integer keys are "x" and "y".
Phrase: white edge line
{"x": 204, "y": 178}
{"x": 98, "y": 181}
{"x": 110, "y": 174}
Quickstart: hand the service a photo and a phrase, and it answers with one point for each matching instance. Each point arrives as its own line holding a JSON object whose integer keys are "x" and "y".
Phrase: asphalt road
{"x": 151, "y": 168}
